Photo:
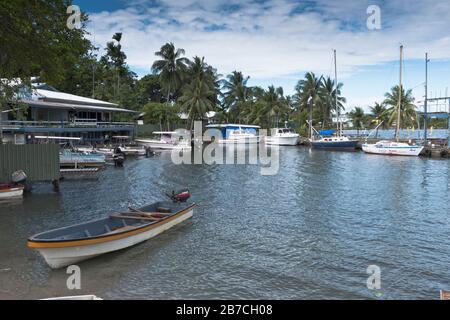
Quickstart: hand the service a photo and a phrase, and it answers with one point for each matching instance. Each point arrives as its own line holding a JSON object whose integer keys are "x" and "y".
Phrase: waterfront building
{"x": 45, "y": 111}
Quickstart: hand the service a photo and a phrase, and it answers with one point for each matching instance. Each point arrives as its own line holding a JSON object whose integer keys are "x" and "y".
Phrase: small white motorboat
{"x": 131, "y": 151}
{"x": 282, "y": 137}
{"x": 70, "y": 245}
{"x": 11, "y": 191}
{"x": 166, "y": 140}
{"x": 392, "y": 148}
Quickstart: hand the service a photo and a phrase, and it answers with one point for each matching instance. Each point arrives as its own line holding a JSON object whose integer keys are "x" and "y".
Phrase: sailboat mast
{"x": 400, "y": 89}
{"x": 338, "y": 120}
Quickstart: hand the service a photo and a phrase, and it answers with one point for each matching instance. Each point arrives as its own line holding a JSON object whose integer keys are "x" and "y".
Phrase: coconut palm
{"x": 328, "y": 94}
{"x": 195, "y": 100}
{"x": 308, "y": 88}
{"x": 358, "y": 118}
{"x": 408, "y": 114}
{"x": 199, "y": 70}
{"x": 171, "y": 68}
{"x": 378, "y": 113}
{"x": 236, "y": 93}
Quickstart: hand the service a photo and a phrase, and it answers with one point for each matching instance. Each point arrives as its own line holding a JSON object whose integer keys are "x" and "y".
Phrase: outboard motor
{"x": 180, "y": 196}
{"x": 19, "y": 178}
{"x": 149, "y": 152}
{"x": 118, "y": 159}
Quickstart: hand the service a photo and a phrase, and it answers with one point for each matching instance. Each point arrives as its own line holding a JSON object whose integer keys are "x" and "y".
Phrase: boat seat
{"x": 118, "y": 230}
{"x": 163, "y": 210}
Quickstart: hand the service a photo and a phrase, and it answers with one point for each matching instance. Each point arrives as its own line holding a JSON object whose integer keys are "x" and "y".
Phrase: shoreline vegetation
{"x": 65, "y": 59}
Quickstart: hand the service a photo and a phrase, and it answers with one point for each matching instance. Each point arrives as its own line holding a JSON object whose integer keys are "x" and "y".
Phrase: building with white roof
{"x": 53, "y": 113}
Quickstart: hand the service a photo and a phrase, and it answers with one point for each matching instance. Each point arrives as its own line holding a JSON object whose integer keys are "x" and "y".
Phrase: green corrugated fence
{"x": 39, "y": 161}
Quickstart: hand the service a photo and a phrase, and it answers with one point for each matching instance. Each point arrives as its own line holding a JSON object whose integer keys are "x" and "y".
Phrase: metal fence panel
{"x": 39, "y": 161}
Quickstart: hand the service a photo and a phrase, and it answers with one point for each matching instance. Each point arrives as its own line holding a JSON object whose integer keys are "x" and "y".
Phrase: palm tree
{"x": 308, "y": 94}
{"x": 358, "y": 118}
{"x": 236, "y": 93}
{"x": 195, "y": 100}
{"x": 199, "y": 70}
{"x": 408, "y": 114}
{"x": 379, "y": 115}
{"x": 328, "y": 94}
{"x": 171, "y": 68}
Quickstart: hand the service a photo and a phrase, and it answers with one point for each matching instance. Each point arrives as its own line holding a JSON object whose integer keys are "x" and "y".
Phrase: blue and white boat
{"x": 329, "y": 142}
{"x": 237, "y": 133}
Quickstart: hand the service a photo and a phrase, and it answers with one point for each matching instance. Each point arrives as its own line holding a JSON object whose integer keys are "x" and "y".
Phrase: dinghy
{"x": 9, "y": 191}
{"x": 69, "y": 245}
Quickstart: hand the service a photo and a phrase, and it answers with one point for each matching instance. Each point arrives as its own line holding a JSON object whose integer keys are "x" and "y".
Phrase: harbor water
{"x": 308, "y": 232}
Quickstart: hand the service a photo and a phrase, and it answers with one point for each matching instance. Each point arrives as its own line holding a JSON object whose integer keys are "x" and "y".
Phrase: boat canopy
{"x": 327, "y": 132}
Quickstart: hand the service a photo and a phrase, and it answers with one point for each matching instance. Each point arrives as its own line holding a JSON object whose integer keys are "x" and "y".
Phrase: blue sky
{"x": 277, "y": 41}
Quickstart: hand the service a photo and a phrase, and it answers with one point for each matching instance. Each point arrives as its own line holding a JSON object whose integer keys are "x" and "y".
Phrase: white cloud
{"x": 270, "y": 40}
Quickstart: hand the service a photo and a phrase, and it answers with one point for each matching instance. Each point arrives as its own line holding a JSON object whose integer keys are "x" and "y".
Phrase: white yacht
{"x": 166, "y": 140}
{"x": 282, "y": 137}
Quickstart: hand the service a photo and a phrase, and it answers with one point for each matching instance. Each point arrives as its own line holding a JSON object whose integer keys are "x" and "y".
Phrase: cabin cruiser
{"x": 282, "y": 137}
{"x": 237, "y": 133}
{"x": 386, "y": 147}
{"x": 167, "y": 140}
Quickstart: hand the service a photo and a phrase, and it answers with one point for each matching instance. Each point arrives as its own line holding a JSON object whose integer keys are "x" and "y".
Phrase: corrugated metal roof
{"x": 67, "y": 97}
{"x": 71, "y": 106}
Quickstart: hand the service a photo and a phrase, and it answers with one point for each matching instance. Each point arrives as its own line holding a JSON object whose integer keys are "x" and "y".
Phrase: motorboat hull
{"x": 161, "y": 145}
{"x": 412, "y": 151}
{"x": 11, "y": 193}
{"x": 243, "y": 140}
{"x": 59, "y": 254}
{"x": 282, "y": 141}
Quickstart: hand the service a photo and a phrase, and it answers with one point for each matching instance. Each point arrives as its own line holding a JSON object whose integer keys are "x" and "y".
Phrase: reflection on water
{"x": 310, "y": 231}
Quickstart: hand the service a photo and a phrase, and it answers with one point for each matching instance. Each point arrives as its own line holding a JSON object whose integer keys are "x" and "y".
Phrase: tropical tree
{"x": 358, "y": 118}
{"x": 328, "y": 93}
{"x": 236, "y": 94}
{"x": 308, "y": 95}
{"x": 159, "y": 113}
{"x": 378, "y": 114}
{"x": 171, "y": 68}
{"x": 196, "y": 99}
{"x": 408, "y": 114}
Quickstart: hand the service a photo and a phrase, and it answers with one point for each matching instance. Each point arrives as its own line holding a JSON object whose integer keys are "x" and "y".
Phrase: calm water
{"x": 309, "y": 232}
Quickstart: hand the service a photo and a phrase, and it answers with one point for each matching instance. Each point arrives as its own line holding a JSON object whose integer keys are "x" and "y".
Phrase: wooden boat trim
{"x": 11, "y": 189}
{"x": 106, "y": 237}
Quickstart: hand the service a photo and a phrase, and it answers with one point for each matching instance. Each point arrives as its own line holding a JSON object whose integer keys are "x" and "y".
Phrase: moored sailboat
{"x": 337, "y": 142}
{"x": 395, "y": 148}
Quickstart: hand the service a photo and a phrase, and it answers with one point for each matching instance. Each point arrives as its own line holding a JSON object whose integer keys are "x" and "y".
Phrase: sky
{"x": 275, "y": 42}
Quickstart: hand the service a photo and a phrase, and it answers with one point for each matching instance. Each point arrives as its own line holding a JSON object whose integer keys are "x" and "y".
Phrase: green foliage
{"x": 359, "y": 119}
{"x": 408, "y": 114}
{"x": 171, "y": 69}
{"x": 162, "y": 114}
